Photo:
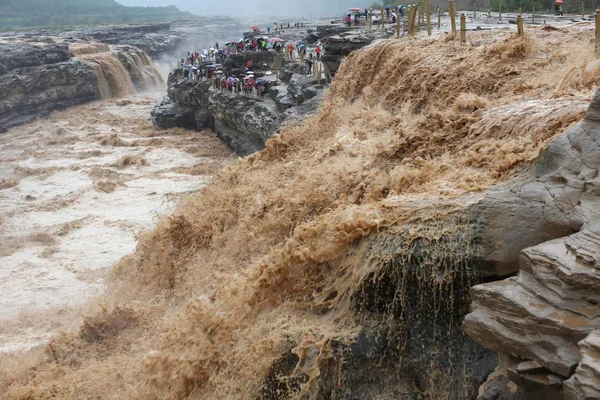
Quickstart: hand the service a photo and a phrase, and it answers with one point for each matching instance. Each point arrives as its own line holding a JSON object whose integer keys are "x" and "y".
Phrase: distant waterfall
{"x": 120, "y": 70}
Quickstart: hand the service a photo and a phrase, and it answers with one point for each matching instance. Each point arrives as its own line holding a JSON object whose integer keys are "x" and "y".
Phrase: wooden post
{"x": 474, "y": 10}
{"x": 452, "y": 16}
{"x": 489, "y": 13}
{"x": 582, "y": 10}
{"x": 439, "y": 12}
{"x": 318, "y": 73}
{"x": 382, "y": 21}
{"x": 417, "y": 26}
{"x": 428, "y": 16}
{"x": 463, "y": 28}
{"x": 533, "y": 14}
{"x": 397, "y": 24}
{"x": 597, "y": 33}
{"x": 370, "y": 18}
{"x": 414, "y": 20}
{"x": 519, "y": 25}
{"x": 499, "y": 10}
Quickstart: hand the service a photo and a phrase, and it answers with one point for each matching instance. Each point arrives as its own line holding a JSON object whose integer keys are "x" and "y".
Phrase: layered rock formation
{"x": 338, "y": 46}
{"x": 244, "y": 122}
{"x": 544, "y": 322}
{"x": 35, "y": 79}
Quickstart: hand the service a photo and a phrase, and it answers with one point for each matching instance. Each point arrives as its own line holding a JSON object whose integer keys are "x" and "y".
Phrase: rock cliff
{"x": 35, "y": 79}
{"x": 544, "y": 322}
{"x": 244, "y": 122}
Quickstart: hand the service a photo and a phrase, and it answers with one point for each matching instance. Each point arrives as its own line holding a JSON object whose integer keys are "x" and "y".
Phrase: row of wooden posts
{"x": 414, "y": 22}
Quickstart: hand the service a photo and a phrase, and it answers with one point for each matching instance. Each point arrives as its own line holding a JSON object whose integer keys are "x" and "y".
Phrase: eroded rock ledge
{"x": 36, "y": 79}
{"x": 544, "y": 322}
{"x": 244, "y": 122}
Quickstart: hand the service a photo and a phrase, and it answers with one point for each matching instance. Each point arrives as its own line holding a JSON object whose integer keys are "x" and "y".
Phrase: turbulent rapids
{"x": 335, "y": 263}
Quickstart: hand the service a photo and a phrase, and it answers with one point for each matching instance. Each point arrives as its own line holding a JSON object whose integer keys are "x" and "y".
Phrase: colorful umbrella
{"x": 354, "y": 9}
{"x": 275, "y": 39}
{"x": 255, "y": 28}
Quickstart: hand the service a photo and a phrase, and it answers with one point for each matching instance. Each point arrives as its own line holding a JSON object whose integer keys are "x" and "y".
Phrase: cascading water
{"x": 121, "y": 70}
{"x": 334, "y": 263}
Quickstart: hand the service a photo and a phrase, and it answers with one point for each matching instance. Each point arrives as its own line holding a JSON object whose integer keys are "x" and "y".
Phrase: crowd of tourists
{"x": 391, "y": 13}
{"x": 208, "y": 63}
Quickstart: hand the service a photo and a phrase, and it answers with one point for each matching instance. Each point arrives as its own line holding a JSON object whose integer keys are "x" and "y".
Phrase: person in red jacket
{"x": 318, "y": 53}
{"x": 291, "y": 50}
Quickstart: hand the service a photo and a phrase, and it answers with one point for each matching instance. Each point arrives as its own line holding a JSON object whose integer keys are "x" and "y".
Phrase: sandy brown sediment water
{"x": 77, "y": 189}
{"x": 265, "y": 259}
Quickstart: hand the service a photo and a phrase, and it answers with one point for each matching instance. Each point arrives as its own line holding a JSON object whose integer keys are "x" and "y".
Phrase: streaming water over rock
{"x": 336, "y": 262}
{"x": 120, "y": 70}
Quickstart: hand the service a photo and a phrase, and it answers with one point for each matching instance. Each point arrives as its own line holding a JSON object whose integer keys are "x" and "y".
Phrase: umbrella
{"x": 275, "y": 39}
{"x": 559, "y": 1}
{"x": 255, "y": 28}
{"x": 354, "y": 9}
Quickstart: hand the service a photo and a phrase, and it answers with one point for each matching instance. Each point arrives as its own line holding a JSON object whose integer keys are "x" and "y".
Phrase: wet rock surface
{"x": 242, "y": 121}
{"x": 548, "y": 315}
{"x": 36, "y": 79}
{"x": 170, "y": 115}
{"x": 339, "y": 46}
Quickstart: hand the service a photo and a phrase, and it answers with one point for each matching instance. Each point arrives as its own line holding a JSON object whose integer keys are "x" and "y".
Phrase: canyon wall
{"x": 38, "y": 77}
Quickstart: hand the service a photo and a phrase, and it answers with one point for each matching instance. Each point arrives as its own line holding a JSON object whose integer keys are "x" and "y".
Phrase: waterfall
{"x": 120, "y": 70}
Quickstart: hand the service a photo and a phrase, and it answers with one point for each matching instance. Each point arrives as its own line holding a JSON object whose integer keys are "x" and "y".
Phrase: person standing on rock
{"x": 275, "y": 28}
{"x": 309, "y": 64}
{"x": 318, "y": 53}
{"x": 291, "y": 50}
{"x": 348, "y": 20}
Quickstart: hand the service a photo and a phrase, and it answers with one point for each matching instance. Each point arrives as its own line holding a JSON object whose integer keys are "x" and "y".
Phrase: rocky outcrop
{"x": 545, "y": 319}
{"x": 322, "y": 31}
{"x": 584, "y": 384}
{"x": 243, "y": 122}
{"x": 36, "y": 79}
{"x": 170, "y": 115}
{"x": 337, "y": 47}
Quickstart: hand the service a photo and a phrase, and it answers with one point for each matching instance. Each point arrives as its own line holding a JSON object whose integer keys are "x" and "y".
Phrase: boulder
{"x": 298, "y": 86}
{"x": 290, "y": 69}
{"x": 167, "y": 115}
{"x": 282, "y": 98}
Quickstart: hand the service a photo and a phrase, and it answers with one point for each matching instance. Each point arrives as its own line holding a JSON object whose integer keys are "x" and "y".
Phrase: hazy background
{"x": 248, "y": 8}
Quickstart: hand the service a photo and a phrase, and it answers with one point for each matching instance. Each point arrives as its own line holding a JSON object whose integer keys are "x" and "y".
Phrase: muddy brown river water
{"x": 75, "y": 191}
